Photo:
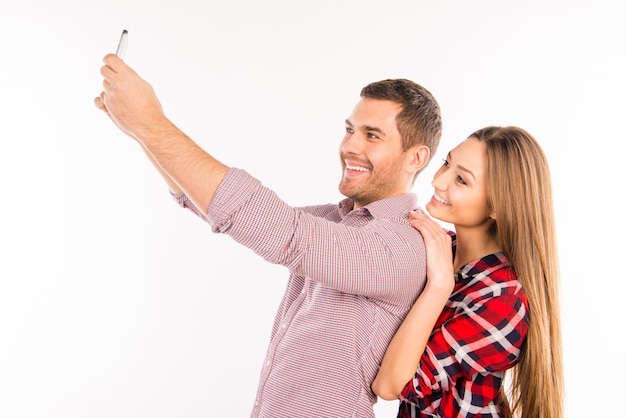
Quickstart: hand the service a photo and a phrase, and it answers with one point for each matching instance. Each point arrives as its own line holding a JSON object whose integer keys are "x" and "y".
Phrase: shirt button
{"x": 284, "y": 326}
{"x": 267, "y": 363}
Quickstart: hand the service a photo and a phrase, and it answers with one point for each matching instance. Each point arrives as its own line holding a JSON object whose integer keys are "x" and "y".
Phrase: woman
{"x": 490, "y": 304}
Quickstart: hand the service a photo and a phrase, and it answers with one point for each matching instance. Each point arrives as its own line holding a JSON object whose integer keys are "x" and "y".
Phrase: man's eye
{"x": 349, "y": 130}
{"x": 372, "y": 136}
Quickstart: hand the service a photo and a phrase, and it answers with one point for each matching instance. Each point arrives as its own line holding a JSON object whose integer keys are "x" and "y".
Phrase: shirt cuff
{"x": 185, "y": 203}
{"x": 233, "y": 192}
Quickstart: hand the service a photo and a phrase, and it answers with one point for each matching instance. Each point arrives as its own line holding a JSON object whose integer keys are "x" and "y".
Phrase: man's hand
{"x": 132, "y": 105}
{"x": 129, "y": 100}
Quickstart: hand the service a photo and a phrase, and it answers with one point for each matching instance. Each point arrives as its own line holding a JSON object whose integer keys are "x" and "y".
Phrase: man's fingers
{"x": 113, "y": 62}
{"x": 112, "y": 66}
{"x": 99, "y": 102}
{"x": 107, "y": 72}
{"x": 116, "y": 65}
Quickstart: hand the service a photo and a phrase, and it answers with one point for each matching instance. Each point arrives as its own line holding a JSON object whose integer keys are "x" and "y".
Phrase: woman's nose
{"x": 439, "y": 180}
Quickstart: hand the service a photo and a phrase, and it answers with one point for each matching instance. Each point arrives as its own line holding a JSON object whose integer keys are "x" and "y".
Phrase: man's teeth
{"x": 441, "y": 199}
{"x": 349, "y": 167}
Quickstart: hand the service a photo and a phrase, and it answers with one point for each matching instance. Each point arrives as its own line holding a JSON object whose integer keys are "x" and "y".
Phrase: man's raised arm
{"x": 133, "y": 106}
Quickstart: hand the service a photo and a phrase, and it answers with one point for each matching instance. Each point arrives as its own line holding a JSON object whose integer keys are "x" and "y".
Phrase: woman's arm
{"x": 403, "y": 355}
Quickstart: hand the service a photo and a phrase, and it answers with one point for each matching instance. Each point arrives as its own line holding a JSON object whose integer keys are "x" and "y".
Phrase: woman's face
{"x": 460, "y": 184}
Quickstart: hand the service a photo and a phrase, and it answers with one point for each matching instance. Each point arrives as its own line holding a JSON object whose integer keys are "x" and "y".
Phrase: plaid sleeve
{"x": 482, "y": 334}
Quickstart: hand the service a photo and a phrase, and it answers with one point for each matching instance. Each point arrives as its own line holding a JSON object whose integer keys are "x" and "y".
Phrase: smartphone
{"x": 122, "y": 44}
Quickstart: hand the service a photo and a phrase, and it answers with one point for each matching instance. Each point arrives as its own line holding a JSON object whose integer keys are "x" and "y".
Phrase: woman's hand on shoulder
{"x": 438, "y": 242}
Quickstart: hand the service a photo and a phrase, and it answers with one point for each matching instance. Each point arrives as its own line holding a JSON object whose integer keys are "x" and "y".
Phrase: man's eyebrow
{"x": 367, "y": 128}
{"x": 374, "y": 129}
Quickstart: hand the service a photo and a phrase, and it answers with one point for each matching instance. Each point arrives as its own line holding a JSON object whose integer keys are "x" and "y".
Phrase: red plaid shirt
{"x": 477, "y": 337}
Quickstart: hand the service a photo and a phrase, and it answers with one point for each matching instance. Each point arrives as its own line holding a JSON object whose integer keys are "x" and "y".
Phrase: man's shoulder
{"x": 324, "y": 210}
{"x": 394, "y": 206}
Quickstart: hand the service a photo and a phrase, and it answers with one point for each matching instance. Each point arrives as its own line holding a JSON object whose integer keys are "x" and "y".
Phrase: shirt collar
{"x": 485, "y": 266}
{"x": 390, "y": 207}
{"x": 490, "y": 263}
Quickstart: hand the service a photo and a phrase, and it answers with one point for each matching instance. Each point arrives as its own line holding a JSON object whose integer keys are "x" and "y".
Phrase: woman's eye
{"x": 460, "y": 180}
{"x": 446, "y": 163}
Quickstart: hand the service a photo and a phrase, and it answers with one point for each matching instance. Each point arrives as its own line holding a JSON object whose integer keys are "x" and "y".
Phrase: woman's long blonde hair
{"x": 520, "y": 195}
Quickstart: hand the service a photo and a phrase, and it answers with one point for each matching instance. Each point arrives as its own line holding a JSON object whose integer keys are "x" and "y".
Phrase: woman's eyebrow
{"x": 449, "y": 158}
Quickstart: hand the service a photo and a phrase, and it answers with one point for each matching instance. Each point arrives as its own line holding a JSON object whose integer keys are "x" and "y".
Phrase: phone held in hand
{"x": 122, "y": 44}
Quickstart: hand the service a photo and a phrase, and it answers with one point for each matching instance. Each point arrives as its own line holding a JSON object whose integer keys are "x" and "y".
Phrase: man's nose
{"x": 352, "y": 143}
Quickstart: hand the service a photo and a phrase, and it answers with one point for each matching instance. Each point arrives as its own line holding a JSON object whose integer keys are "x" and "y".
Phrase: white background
{"x": 116, "y": 303}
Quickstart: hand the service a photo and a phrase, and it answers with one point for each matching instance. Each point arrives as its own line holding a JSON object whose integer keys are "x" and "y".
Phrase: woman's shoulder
{"x": 493, "y": 270}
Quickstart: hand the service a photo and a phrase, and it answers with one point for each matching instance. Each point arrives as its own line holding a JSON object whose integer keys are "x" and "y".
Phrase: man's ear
{"x": 419, "y": 156}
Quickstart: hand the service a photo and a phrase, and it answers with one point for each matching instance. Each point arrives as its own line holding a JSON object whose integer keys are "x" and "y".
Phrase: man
{"x": 355, "y": 268}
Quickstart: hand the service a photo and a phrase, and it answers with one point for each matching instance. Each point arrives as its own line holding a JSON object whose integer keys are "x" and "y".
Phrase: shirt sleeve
{"x": 383, "y": 260}
{"x": 185, "y": 203}
{"x": 483, "y": 337}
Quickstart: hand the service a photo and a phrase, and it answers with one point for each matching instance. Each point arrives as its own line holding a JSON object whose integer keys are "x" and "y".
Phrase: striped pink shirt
{"x": 353, "y": 277}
